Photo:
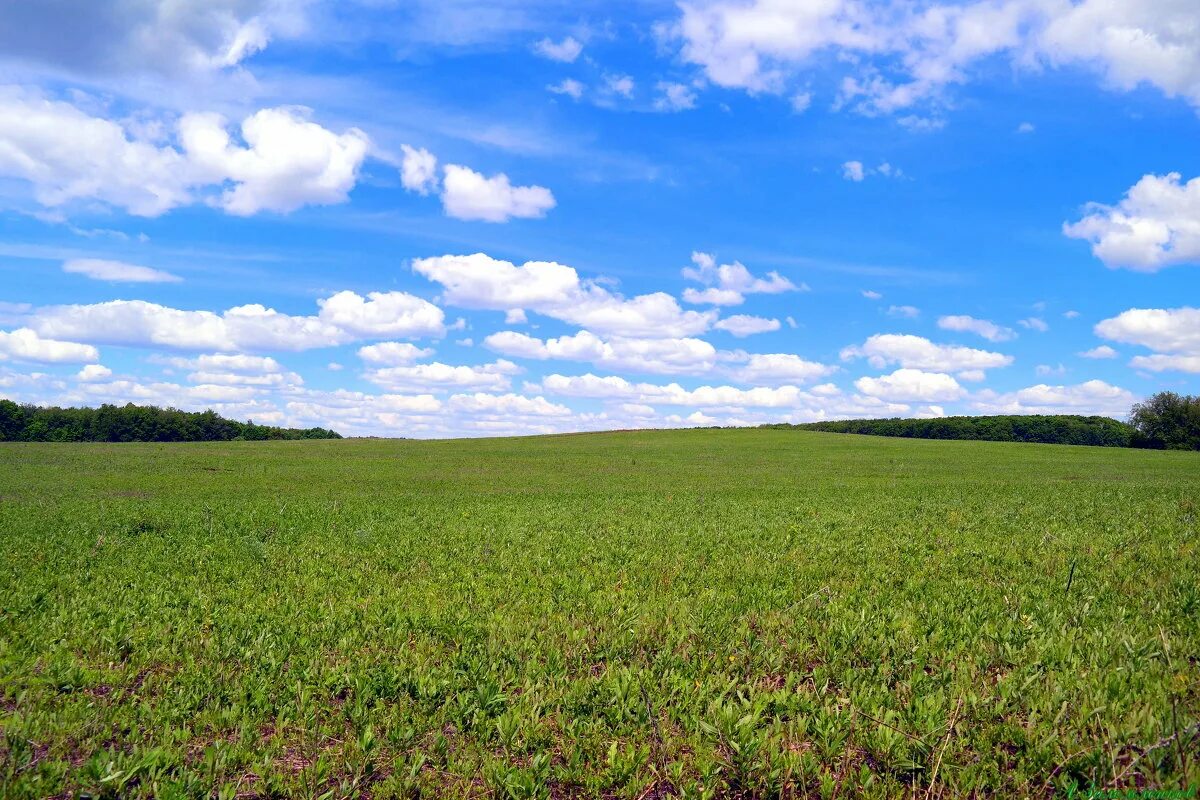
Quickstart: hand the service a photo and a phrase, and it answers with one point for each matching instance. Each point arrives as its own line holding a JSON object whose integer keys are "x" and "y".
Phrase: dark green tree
{"x": 1167, "y": 421}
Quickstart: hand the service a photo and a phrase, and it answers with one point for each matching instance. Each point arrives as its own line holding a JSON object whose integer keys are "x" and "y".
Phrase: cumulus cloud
{"x": 66, "y": 155}
{"x": 393, "y": 353}
{"x": 981, "y": 327}
{"x": 795, "y": 404}
{"x": 101, "y": 269}
{"x": 743, "y": 325}
{"x": 911, "y": 384}
{"x": 1103, "y": 351}
{"x": 469, "y": 195}
{"x": 93, "y": 372}
{"x": 660, "y": 356}
{"x": 904, "y": 312}
{"x": 287, "y": 162}
{"x": 917, "y": 352}
{"x": 437, "y": 376}
{"x": 556, "y": 290}
{"x": 615, "y": 387}
{"x": 896, "y": 56}
{"x": 24, "y": 344}
{"x": 1160, "y": 362}
{"x": 620, "y": 85}
{"x": 674, "y": 97}
{"x": 1034, "y": 324}
{"x": 1090, "y": 397}
{"x": 418, "y": 169}
{"x": 343, "y": 317}
{"x": 1172, "y": 333}
{"x": 150, "y": 36}
{"x": 1156, "y": 225}
{"x": 857, "y": 172}
{"x": 1166, "y": 330}
{"x": 507, "y": 404}
{"x": 568, "y": 86}
{"x": 565, "y": 51}
{"x": 777, "y": 368}
{"x": 728, "y": 284}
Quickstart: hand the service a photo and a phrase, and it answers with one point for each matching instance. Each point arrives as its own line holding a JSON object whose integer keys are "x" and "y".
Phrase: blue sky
{"x": 474, "y": 218}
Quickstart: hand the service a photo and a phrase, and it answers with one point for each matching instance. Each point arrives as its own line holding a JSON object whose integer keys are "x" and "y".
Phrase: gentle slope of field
{"x": 628, "y": 615}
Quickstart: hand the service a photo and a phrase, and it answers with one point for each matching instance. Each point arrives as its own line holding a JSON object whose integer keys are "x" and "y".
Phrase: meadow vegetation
{"x": 735, "y": 613}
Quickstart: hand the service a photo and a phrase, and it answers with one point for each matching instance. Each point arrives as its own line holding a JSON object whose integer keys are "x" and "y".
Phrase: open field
{"x": 714, "y": 613}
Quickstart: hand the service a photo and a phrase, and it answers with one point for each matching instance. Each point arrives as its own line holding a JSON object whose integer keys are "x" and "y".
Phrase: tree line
{"x": 132, "y": 423}
{"x": 1165, "y": 421}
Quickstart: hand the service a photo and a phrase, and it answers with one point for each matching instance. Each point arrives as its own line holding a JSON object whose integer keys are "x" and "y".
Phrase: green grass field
{"x": 636, "y": 615}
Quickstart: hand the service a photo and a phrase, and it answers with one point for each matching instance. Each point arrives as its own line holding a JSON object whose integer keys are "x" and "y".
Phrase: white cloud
{"x": 912, "y": 385}
{"x": 622, "y": 85}
{"x": 556, "y": 290}
{"x": 1048, "y": 369}
{"x": 382, "y": 314}
{"x": 1165, "y": 330}
{"x": 857, "y": 172}
{"x": 288, "y": 161}
{"x": 1090, "y": 397}
{"x": 801, "y": 101}
{"x": 93, "y": 372}
{"x": 871, "y": 295}
{"x": 1071, "y": 314}
{"x": 568, "y": 86}
{"x": 1034, "y": 324}
{"x": 67, "y": 155}
{"x": 742, "y": 325}
{"x": 1160, "y": 362}
{"x": 117, "y": 271}
{"x": 674, "y": 97}
{"x": 1103, "y": 351}
{"x": 1156, "y": 225}
{"x": 614, "y": 387}
{"x": 1173, "y": 333}
{"x": 897, "y": 56}
{"x": 24, "y": 344}
{"x": 662, "y": 356}
{"x": 982, "y": 327}
{"x": 418, "y": 170}
{"x": 393, "y": 353}
{"x": 507, "y": 404}
{"x": 729, "y": 283}
{"x": 147, "y": 36}
{"x": 1025, "y": 127}
{"x": 469, "y": 195}
{"x": 776, "y": 368}
{"x": 565, "y": 51}
{"x": 917, "y": 352}
{"x": 822, "y": 402}
{"x": 343, "y": 317}
{"x": 437, "y": 376}
{"x": 904, "y": 312}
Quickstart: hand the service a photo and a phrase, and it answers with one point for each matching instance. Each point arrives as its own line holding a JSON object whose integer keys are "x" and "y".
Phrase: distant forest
{"x": 1163, "y": 421}
{"x": 130, "y": 423}
{"x": 1057, "y": 429}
